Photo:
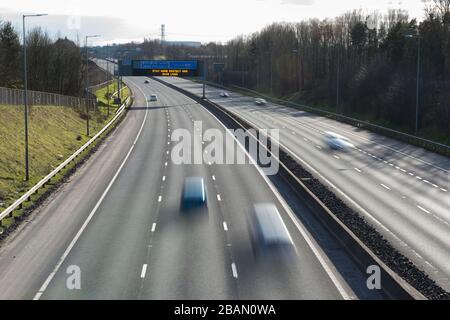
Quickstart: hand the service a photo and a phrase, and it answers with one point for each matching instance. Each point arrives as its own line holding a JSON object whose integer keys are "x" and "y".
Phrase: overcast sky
{"x": 197, "y": 20}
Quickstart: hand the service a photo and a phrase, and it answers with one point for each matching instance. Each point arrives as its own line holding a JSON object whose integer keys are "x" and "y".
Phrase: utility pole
{"x": 87, "y": 83}
{"x": 25, "y": 97}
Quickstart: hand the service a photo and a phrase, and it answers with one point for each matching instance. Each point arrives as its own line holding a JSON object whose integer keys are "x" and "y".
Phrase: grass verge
{"x": 60, "y": 135}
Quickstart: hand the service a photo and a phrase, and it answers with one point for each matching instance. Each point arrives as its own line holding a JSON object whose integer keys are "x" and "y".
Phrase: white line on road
{"x": 337, "y": 157}
{"x": 424, "y": 210}
{"x": 91, "y": 214}
{"x": 164, "y": 178}
{"x": 159, "y": 198}
{"x": 234, "y": 270}
{"x": 153, "y": 226}
{"x": 225, "y": 227}
{"x": 417, "y": 177}
{"x": 357, "y": 170}
{"x": 214, "y": 178}
{"x": 144, "y": 270}
{"x": 218, "y": 197}
{"x": 165, "y": 164}
{"x": 445, "y": 190}
{"x": 385, "y": 186}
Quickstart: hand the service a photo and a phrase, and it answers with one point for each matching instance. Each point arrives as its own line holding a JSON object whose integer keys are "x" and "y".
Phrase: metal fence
{"x": 10, "y": 96}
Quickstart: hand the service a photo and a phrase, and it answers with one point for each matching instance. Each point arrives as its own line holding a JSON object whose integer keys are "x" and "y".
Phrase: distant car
{"x": 224, "y": 94}
{"x": 146, "y": 81}
{"x": 153, "y": 97}
{"x": 260, "y": 101}
{"x": 337, "y": 142}
{"x": 269, "y": 234}
{"x": 194, "y": 192}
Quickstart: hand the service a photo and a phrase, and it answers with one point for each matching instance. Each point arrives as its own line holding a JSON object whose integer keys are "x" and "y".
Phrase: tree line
{"x": 53, "y": 65}
{"x": 360, "y": 64}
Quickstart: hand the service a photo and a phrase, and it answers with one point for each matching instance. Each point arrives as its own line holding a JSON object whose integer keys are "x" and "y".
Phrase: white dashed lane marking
{"x": 423, "y": 209}
{"x": 234, "y": 270}
{"x": 144, "y": 271}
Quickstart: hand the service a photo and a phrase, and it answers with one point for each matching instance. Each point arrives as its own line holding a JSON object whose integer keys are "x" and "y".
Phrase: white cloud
{"x": 199, "y": 20}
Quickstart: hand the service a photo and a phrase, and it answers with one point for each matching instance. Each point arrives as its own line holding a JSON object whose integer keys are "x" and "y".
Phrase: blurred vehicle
{"x": 260, "y": 101}
{"x": 337, "y": 142}
{"x": 269, "y": 235}
{"x": 194, "y": 193}
{"x": 146, "y": 81}
{"x": 224, "y": 94}
{"x": 153, "y": 97}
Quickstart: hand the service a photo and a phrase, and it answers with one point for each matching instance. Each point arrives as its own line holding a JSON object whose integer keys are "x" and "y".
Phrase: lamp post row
{"x": 25, "y": 82}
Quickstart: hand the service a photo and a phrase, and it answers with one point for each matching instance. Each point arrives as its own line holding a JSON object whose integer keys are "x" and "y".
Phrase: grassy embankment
{"x": 54, "y": 134}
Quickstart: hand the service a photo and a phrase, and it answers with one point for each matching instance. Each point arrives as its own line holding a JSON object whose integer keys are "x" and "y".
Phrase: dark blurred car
{"x": 146, "y": 81}
{"x": 194, "y": 193}
{"x": 269, "y": 235}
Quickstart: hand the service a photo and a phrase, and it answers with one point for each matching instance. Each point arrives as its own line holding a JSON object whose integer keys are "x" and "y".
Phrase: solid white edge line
{"x": 94, "y": 210}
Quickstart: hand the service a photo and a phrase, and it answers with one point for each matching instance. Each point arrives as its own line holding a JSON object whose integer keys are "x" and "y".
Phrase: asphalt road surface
{"x": 118, "y": 222}
{"x": 402, "y": 190}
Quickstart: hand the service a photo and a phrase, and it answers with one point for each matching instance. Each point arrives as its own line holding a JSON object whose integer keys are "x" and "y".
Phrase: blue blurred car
{"x": 194, "y": 192}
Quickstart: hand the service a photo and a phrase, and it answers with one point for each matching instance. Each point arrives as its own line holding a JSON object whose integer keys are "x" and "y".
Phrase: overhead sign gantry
{"x": 170, "y": 68}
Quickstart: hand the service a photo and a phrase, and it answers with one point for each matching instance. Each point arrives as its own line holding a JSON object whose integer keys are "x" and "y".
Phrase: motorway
{"x": 118, "y": 220}
{"x": 402, "y": 190}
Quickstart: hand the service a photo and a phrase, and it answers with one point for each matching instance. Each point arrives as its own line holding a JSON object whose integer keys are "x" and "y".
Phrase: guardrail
{"x": 393, "y": 284}
{"x": 402, "y": 136}
{"x": 18, "y": 203}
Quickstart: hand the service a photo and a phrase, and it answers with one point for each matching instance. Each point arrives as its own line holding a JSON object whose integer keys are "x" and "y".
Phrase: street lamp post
{"x": 107, "y": 77}
{"x": 25, "y": 85}
{"x": 297, "y": 56}
{"x": 87, "y": 83}
{"x": 416, "y": 126}
{"x": 338, "y": 74}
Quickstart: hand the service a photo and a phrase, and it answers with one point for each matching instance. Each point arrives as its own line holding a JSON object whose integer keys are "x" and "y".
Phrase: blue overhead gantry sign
{"x": 173, "y": 68}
